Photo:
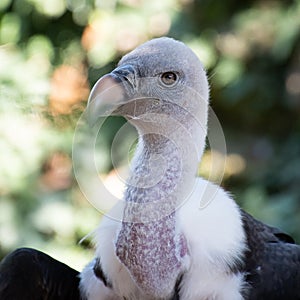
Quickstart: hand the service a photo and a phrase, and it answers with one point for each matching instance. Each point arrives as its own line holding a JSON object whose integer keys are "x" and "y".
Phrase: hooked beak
{"x": 110, "y": 92}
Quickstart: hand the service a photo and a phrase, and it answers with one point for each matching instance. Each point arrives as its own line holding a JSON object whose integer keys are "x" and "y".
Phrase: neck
{"x": 162, "y": 175}
{"x": 150, "y": 243}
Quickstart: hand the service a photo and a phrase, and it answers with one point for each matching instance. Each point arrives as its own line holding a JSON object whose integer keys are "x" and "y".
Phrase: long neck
{"x": 157, "y": 173}
{"x": 163, "y": 169}
{"x": 150, "y": 243}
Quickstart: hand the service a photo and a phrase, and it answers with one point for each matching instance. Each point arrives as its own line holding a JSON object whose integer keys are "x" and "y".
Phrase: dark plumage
{"x": 272, "y": 263}
{"x": 28, "y": 274}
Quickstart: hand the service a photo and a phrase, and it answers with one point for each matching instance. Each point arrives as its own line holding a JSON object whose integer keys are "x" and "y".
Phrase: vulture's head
{"x": 157, "y": 86}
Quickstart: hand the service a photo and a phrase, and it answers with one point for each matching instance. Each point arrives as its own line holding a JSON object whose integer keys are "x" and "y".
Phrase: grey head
{"x": 160, "y": 76}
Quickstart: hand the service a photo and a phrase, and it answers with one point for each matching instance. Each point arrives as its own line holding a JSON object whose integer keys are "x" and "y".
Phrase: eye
{"x": 168, "y": 78}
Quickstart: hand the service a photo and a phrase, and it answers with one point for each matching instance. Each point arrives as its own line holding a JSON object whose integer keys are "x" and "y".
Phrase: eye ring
{"x": 169, "y": 78}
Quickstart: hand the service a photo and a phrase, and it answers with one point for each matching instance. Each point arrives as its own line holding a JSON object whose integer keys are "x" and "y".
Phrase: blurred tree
{"x": 52, "y": 52}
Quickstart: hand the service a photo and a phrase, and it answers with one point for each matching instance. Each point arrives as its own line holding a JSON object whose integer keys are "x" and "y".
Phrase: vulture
{"x": 177, "y": 236}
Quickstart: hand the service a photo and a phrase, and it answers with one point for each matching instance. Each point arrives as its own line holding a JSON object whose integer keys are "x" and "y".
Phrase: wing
{"x": 272, "y": 262}
{"x": 29, "y": 274}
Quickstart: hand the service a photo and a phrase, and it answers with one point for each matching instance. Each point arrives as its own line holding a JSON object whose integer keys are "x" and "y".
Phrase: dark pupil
{"x": 169, "y": 77}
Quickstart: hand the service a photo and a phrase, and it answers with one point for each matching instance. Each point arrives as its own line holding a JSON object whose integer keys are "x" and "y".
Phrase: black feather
{"x": 272, "y": 262}
{"x": 29, "y": 274}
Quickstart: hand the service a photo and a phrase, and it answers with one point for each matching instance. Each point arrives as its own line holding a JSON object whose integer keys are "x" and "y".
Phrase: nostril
{"x": 126, "y": 73}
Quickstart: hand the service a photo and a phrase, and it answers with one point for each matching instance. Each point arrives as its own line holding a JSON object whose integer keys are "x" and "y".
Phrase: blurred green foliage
{"x": 52, "y": 52}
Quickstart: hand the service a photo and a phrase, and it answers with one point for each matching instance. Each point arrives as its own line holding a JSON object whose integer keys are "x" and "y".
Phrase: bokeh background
{"x": 51, "y": 54}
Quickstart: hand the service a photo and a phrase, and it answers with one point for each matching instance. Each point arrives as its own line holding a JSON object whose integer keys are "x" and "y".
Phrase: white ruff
{"x": 215, "y": 239}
